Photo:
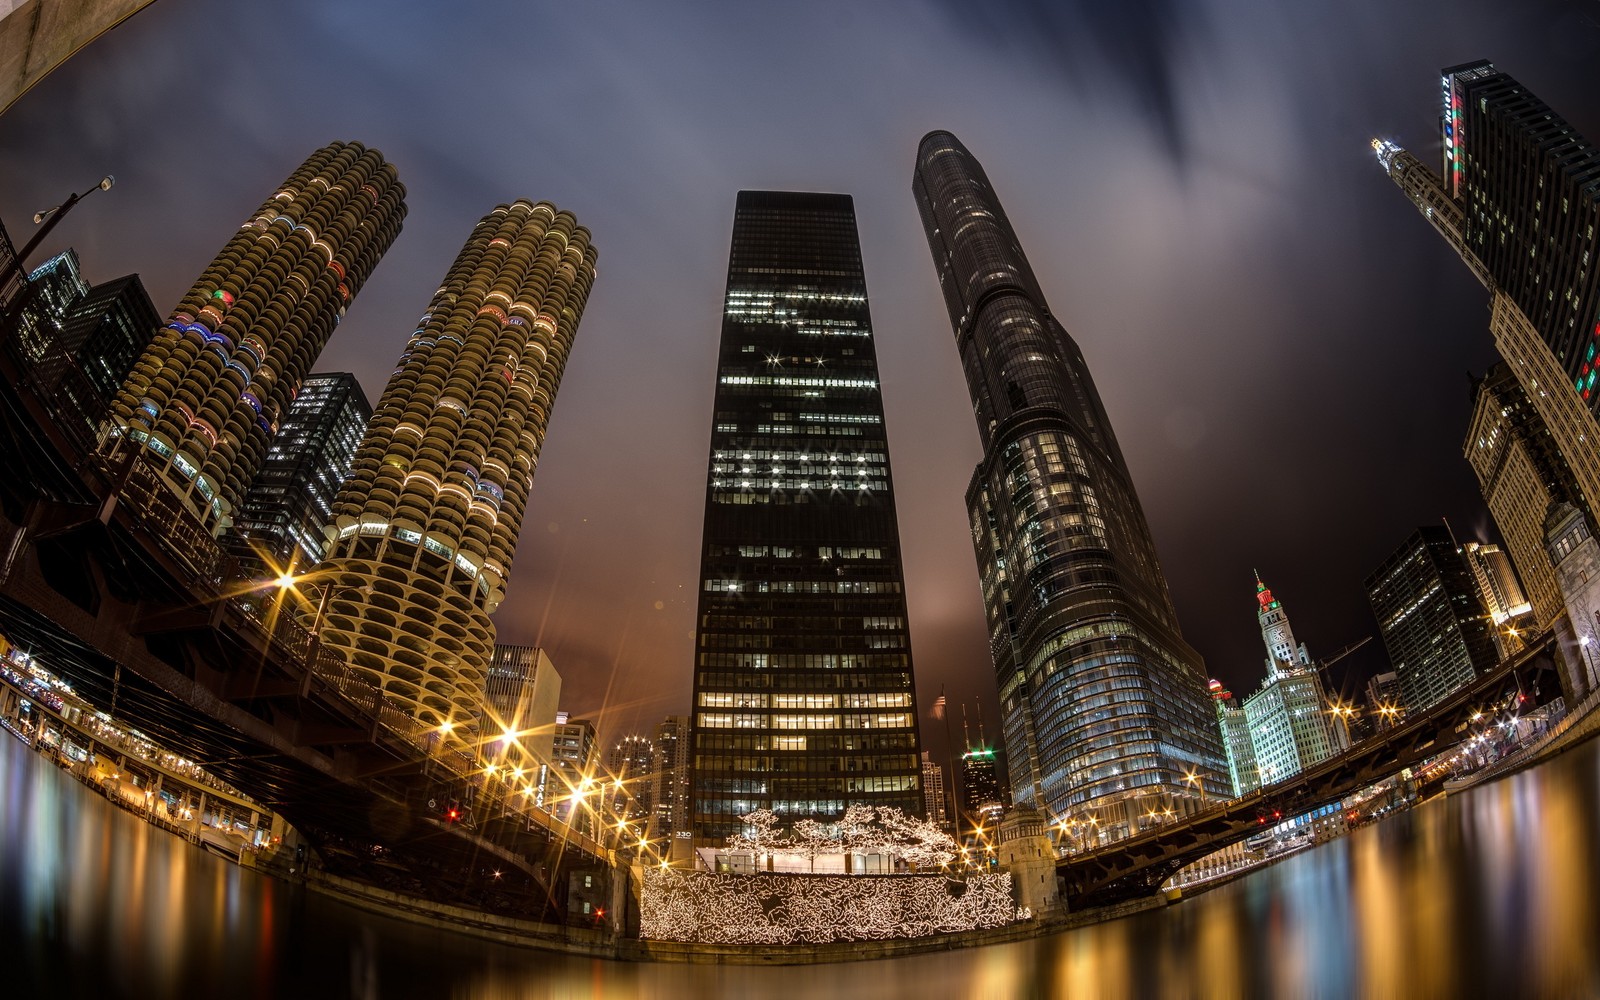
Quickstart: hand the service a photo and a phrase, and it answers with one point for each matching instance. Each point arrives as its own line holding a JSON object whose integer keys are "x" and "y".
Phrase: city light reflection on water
{"x": 1487, "y": 893}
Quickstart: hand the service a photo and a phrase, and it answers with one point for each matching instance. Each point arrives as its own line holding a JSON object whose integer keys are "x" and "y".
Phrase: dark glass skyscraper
{"x": 1432, "y": 622}
{"x": 1103, "y": 703}
{"x": 1529, "y": 188}
{"x": 290, "y": 501}
{"x": 804, "y": 701}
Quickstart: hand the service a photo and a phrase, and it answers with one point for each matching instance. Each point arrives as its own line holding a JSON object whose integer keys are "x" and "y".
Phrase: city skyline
{"x": 1191, "y": 453}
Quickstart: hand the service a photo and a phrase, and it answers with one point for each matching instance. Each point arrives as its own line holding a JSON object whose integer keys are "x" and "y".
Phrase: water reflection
{"x": 1491, "y": 892}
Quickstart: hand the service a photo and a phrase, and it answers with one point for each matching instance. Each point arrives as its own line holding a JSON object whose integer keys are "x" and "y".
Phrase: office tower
{"x": 425, "y": 527}
{"x": 1576, "y": 558}
{"x": 672, "y": 778}
{"x": 80, "y": 340}
{"x": 1103, "y": 703}
{"x": 206, "y": 397}
{"x": 51, "y": 291}
{"x": 631, "y": 764}
{"x": 933, "y": 791}
{"x": 1436, "y": 631}
{"x": 106, "y": 330}
{"x": 981, "y": 798}
{"x": 1235, "y": 728}
{"x": 287, "y": 506}
{"x": 1385, "y": 701}
{"x": 1288, "y": 717}
{"x": 1499, "y": 593}
{"x": 520, "y": 698}
{"x": 1521, "y": 473}
{"x": 803, "y": 687}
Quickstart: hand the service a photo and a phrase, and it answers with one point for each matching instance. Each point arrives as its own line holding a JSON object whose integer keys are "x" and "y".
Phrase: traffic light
{"x": 453, "y": 812}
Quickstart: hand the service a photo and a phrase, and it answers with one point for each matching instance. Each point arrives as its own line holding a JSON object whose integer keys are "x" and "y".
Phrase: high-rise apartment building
{"x": 1103, "y": 703}
{"x": 569, "y": 785}
{"x": 1288, "y": 717}
{"x": 803, "y": 693}
{"x": 425, "y": 528}
{"x": 520, "y": 698}
{"x": 206, "y": 397}
{"x": 1433, "y": 625}
{"x": 288, "y": 506}
{"x": 1521, "y": 473}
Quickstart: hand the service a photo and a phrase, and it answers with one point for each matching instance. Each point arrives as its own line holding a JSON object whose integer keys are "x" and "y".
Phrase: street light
{"x": 49, "y": 217}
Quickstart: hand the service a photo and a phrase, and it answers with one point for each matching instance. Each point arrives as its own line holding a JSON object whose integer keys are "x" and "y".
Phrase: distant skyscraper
{"x": 672, "y": 778}
{"x": 1433, "y": 625}
{"x": 572, "y": 764}
{"x": 520, "y": 698}
{"x": 1521, "y": 473}
{"x": 1497, "y": 584}
{"x": 803, "y": 689}
{"x": 206, "y": 397}
{"x": 1242, "y": 770}
{"x": 81, "y": 340}
{"x": 632, "y": 760}
{"x": 428, "y": 522}
{"x": 1103, "y": 703}
{"x": 1288, "y": 718}
{"x": 933, "y": 791}
{"x": 289, "y": 503}
{"x": 981, "y": 799}
{"x": 1385, "y": 701}
{"x": 53, "y": 288}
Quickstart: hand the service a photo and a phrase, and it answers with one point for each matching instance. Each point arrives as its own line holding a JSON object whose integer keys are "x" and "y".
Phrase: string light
{"x": 712, "y": 908}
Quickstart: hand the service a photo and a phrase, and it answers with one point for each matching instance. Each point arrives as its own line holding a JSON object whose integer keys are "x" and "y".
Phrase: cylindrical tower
{"x": 206, "y": 395}
{"x": 425, "y": 528}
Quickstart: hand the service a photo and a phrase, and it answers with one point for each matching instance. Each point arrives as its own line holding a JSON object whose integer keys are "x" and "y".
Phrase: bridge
{"x": 1138, "y": 865}
{"x": 113, "y": 584}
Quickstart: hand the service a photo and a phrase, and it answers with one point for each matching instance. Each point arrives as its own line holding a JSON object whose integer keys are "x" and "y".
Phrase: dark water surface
{"x": 1491, "y": 893}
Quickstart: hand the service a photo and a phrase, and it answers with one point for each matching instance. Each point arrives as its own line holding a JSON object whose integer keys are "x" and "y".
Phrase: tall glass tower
{"x": 803, "y": 693}
{"x": 1104, "y": 705}
{"x": 424, "y": 529}
{"x": 290, "y": 501}
{"x": 206, "y": 396}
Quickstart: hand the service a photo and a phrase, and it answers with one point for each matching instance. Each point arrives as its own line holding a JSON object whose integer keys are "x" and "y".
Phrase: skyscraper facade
{"x": 934, "y": 800}
{"x": 981, "y": 799}
{"x": 52, "y": 289}
{"x": 106, "y": 331}
{"x": 1526, "y": 182}
{"x": 425, "y": 527}
{"x": 1434, "y": 627}
{"x": 289, "y": 503}
{"x": 1103, "y": 703}
{"x": 1521, "y": 473}
{"x": 804, "y": 701}
{"x": 206, "y": 397}
{"x": 631, "y": 763}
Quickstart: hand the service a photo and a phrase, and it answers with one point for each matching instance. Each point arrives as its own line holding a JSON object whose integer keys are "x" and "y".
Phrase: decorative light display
{"x": 862, "y": 830}
{"x": 710, "y": 908}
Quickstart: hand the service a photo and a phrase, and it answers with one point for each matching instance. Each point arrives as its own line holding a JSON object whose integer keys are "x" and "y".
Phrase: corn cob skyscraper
{"x": 206, "y": 395}
{"x": 425, "y": 528}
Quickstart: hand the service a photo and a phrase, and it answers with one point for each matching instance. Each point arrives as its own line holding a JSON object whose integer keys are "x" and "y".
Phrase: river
{"x": 1491, "y": 892}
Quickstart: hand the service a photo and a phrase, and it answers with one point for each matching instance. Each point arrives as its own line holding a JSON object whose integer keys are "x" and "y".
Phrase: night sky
{"x": 1280, "y": 339}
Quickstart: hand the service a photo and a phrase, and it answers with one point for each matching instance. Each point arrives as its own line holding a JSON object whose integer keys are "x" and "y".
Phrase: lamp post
{"x": 49, "y": 217}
